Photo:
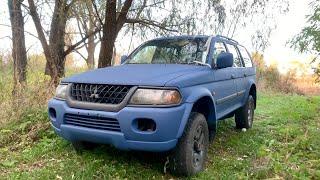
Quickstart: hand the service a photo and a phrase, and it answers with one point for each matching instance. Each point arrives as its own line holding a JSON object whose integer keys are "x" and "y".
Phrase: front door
{"x": 238, "y": 70}
{"x": 224, "y": 89}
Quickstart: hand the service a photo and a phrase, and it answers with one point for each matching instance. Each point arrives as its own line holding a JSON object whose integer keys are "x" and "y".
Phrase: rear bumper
{"x": 170, "y": 123}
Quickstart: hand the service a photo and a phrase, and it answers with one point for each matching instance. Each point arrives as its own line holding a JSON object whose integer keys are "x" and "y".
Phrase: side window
{"x": 245, "y": 56}
{"x": 237, "y": 60}
{"x": 219, "y": 48}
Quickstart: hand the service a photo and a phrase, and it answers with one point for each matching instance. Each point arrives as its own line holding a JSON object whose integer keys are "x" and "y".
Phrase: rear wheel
{"x": 190, "y": 154}
{"x": 244, "y": 115}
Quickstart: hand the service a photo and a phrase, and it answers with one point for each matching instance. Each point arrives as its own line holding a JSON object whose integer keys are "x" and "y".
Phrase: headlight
{"x": 155, "y": 97}
{"x": 61, "y": 91}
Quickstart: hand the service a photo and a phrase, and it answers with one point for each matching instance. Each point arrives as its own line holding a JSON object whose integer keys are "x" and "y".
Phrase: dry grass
{"x": 34, "y": 96}
{"x": 269, "y": 78}
{"x": 307, "y": 85}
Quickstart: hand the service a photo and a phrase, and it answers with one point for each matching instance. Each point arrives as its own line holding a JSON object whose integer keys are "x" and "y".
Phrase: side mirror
{"x": 224, "y": 60}
{"x": 123, "y": 59}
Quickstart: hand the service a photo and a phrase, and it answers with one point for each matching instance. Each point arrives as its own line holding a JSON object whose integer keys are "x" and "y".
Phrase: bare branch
{"x": 123, "y": 14}
{"x": 31, "y": 34}
{"x": 70, "y": 4}
{"x": 35, "y": 16}
{"x": 6, "y": 37}
{"x": 150, "y": 23}
{"x": 144, "y": 4}
{"x": 81, "y": 55}
{"x": 74, "y": 46}
{"x": 97, "y": 12}
{"x": 149, "y": 5}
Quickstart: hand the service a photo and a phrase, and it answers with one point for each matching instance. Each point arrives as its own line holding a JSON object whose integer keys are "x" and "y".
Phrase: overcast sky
{"x": 288, "y": 25}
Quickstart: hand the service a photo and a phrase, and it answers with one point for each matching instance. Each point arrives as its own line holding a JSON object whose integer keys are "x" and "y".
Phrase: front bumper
{"x": 170, "y": 124}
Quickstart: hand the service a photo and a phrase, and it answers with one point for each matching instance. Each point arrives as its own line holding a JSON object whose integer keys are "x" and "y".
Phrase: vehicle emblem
{"x": 95, "y": 94}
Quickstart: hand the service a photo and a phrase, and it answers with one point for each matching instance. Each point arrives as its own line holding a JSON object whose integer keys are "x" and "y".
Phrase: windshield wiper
{"x": 200, "y": 63}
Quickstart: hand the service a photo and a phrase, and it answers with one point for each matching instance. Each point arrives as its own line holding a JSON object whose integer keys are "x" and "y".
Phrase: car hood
{"x": 135, "y": 74}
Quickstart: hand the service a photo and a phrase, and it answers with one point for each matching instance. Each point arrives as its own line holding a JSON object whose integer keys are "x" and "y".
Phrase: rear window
{"x": 245, "y": 56}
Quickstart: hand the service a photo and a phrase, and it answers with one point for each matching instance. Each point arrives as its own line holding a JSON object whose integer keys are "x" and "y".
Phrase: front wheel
{"x": 244, "y": 115}
{"x": 189, "y": 157}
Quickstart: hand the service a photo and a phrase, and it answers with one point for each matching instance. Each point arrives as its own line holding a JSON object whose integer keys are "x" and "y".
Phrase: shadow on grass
{"x": 152, "y": 161}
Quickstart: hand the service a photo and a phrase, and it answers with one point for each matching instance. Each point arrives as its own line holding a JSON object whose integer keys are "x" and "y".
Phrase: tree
{"x": 88, "y": 17}
{"x": 112, "y": 25}
{"x": 257, "y": 17}
{"x": 19, "y": 53}
{"x": 163, "y": 17}
{"x": 308, "y": 40}
{"x": 55, "y": 49}
{"x": 158, "y": 16}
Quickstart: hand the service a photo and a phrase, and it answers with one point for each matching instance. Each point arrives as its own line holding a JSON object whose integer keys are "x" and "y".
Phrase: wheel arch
{"x": 202, "y": 102}
{"x": 205, "y": 105}
{"x": 253, "y": 92}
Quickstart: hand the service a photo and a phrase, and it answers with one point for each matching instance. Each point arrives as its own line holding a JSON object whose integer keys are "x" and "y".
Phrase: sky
{"x": 288, "y": 25}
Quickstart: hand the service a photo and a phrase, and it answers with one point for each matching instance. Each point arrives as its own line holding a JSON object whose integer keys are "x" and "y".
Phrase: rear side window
{"x": 237, "y": 60}
{"x": 219, "y": 48}
{"x": 245, "y": 56}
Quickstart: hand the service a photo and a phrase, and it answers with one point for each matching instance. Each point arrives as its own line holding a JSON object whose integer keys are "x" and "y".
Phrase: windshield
{"x": 171, "y": 51}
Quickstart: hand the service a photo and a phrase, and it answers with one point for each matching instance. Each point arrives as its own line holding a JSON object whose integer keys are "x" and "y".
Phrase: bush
{"x": 269, "y": 78}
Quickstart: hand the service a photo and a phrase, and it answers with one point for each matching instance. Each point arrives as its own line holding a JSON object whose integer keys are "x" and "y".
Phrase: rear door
{"x": 238, "y": 72}
{"x": 249, "y": 70}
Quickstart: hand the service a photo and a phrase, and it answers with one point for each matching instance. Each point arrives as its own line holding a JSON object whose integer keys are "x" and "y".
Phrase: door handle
{"x": 245, "y": 75}
{"x": 233, "y": 76}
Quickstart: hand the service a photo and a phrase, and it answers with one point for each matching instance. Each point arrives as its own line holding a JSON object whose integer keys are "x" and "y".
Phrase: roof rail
{"x": 225, "y": 37}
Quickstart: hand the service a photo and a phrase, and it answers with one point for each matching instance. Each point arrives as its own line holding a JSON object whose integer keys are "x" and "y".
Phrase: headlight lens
{"x": 155, "y": 97}
{"x": 61, "y": 91}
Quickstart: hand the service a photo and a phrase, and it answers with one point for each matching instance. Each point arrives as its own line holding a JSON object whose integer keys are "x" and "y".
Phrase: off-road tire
{"x": 190, "y": 154}
{"x": 244, "y": 115}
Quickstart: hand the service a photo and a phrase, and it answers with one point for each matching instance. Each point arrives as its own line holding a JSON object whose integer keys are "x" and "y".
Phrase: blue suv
{"x": 166, "y": 96}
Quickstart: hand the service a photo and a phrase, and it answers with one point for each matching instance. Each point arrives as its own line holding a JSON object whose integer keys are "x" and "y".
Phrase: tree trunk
{"x": 109, "y": 35}
{"x": 106, "y": 53}
{"x": 54, "y": 50}
{"x": 91, "y": 44}
{"x": 56, "y": 40}
{"x": 90, "y": 50}
{"x": 113, "y": 24}
{"x": 19, "y": 53}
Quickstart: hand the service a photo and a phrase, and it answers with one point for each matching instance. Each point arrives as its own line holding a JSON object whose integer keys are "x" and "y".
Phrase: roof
{"x": 182, "y": 37}
{"x": 195, "y": 37}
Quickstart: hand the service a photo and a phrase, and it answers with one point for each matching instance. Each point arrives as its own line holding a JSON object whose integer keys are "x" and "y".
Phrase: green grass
{"x": 284, "y": 143}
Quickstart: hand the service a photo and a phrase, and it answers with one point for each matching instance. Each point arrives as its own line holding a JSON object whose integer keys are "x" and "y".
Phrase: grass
{"x": 284, "y": 143}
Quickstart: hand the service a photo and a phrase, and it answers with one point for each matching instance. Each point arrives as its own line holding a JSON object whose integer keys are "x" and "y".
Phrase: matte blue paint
{"x": 135, "y": 74}
{"x": 193, "y": 81}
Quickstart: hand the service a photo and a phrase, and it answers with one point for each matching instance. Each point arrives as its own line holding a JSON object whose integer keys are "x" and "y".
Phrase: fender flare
{"x": 192, "y": 98}
{"x": 251, "y": 83}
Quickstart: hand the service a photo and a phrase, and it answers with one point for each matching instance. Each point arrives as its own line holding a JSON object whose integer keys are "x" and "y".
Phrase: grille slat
{"x": 94, "y": 126}
{"x": 92, "y": 119}
{"x": 92, "y": 123}
{"x": 99, "y": 93}
{"x": 95, "y": 122}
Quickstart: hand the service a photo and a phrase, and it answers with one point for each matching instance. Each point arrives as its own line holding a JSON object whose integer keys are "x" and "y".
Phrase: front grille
{"x": 99, "y": 93}
{"x": 95, "y": 122}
